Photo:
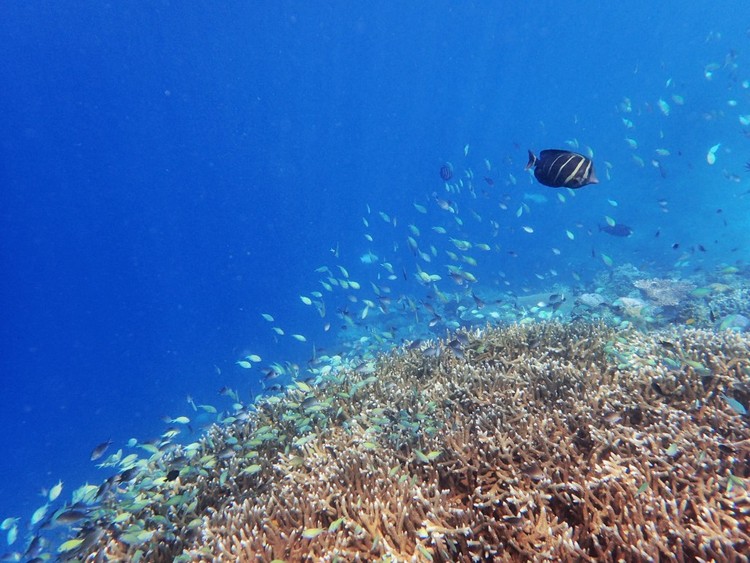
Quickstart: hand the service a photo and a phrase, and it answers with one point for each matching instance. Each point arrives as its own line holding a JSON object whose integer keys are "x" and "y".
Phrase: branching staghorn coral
{"x": 544, "y": 442}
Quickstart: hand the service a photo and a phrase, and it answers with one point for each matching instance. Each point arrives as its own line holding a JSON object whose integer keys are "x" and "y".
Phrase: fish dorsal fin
{"x": 553, "y": 153}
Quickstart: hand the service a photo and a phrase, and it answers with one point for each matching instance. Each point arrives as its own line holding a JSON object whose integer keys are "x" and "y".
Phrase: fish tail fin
{"x": 532, "y": 161}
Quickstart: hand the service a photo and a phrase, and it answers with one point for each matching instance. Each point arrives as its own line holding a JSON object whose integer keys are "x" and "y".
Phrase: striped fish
{"x": 562, "y": 169}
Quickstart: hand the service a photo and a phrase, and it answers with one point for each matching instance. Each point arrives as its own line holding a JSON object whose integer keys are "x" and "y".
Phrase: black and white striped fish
{"x": 562, "y": 169}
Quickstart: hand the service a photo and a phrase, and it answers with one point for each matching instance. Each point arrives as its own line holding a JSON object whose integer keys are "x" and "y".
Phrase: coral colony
{"x": 544, "y": 441}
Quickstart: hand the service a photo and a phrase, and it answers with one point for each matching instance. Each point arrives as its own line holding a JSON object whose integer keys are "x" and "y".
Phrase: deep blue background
{"x": 168, "y": 171}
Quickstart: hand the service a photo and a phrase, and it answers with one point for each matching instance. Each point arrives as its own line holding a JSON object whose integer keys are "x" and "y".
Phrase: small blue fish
{"x": 737, "y": 407}
{"x": 618, "y": 230}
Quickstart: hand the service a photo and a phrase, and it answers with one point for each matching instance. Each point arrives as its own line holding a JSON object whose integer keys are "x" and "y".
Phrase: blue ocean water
{"x": 170, "y": 172}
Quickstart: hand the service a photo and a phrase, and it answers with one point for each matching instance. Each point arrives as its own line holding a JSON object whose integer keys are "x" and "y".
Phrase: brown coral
{"x": 543, "y": 442}
{"x": 664, "y": 292}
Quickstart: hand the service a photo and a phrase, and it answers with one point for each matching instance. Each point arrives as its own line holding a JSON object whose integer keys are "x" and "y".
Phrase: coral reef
{"x": 591, "y": 300}
{"x": 664, "y": 292}
{"x": 631, "y": 306}
{"x": 543, "y": 441}
{"x": 734, "y": 301}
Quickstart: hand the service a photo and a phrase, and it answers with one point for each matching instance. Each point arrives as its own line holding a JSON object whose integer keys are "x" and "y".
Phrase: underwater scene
{"x": 329, "y": 281}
